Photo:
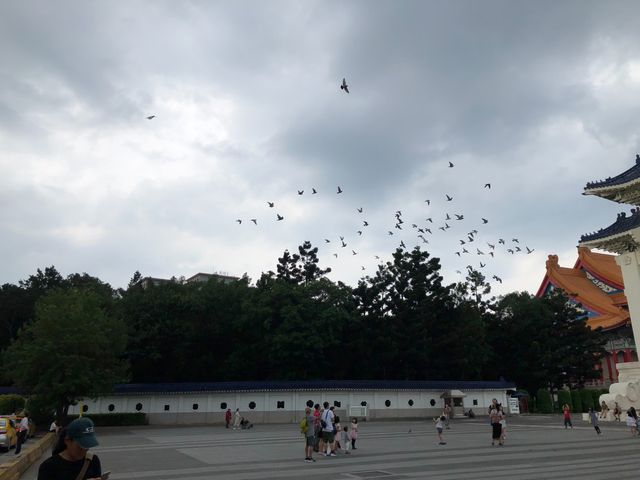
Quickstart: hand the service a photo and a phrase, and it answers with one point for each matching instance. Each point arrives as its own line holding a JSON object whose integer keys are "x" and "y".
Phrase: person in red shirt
{"x": 227, "y": 417}
{"x": 566, "y": 414}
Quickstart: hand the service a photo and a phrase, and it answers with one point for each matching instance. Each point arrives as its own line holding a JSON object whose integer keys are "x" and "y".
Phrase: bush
{"x": 116, "y": 419}
{"x": 11, "y": 403}
{"x": 587, "y": 400}
{"x": 543, "y": 401}
{"x": 596, "y": 397}
{"x": 564, "y": 396}
{"x": 40, "y": 411}
{"x": 576, "y": 400}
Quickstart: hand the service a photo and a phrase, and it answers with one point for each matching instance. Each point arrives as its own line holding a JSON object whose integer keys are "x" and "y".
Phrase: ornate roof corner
{"x": 552, "y": 262}
{"x": 618, "y": 236}
{"x": 617, "y": 188}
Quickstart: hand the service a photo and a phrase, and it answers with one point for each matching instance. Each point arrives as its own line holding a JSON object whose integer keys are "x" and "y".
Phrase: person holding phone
{"x": 71, "y": 459}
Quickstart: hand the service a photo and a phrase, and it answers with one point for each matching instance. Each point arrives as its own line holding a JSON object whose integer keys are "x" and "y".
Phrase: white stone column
{"x": 629, "y": 263}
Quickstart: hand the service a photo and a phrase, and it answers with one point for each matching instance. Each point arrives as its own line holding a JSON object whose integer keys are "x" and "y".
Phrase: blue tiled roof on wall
{"x": 313, "y": 385}
{"x": 632, "y": 174}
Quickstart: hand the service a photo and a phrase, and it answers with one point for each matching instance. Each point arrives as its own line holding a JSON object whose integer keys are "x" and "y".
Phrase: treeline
{"x": 400, "y": 323}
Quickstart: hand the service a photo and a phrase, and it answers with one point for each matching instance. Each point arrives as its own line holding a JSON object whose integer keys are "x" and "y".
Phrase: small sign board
{"x": 514, "y": 405}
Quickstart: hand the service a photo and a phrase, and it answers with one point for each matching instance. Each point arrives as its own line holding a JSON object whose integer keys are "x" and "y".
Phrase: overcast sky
{"x": 535, "y": 98}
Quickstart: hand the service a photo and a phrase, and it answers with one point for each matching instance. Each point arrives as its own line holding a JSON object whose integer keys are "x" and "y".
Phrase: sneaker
{"x": 308, "y": 460}
{"x": 312, "y": 459}
{"x": 442, "y": 443}
{"x": 332, "y": 454}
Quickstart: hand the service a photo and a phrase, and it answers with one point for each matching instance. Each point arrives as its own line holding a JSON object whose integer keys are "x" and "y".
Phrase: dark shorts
{"x": 311, "y": 440}
{"x": 439, "y": 430}
{"x": 328, "y": 437}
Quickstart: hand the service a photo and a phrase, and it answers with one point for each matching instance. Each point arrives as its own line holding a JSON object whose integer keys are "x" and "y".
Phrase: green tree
{"x": 543, "y": 401}
{"x": 564, "y": 397}
{"x": 576, "y": 400}
{"x": 586, "y": 399}
{"x": 71, "y": 351}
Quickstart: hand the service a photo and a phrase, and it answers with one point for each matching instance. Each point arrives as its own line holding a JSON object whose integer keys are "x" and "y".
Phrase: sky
{"x": 534, "y": 98}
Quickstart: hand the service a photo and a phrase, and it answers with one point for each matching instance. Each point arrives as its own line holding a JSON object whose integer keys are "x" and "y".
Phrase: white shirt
{"x": 24, "y": 424}
{"x": 328, "y": 417}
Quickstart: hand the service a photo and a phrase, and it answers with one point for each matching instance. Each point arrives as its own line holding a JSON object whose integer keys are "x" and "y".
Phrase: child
{"x": 503, "y": 431}
{"x": 345, "y": 440}
{"x": 593, "y": 416}
{"x": 353, "y": 433}
{"x": 439, "y": 426}
{"x": 338, "y": 429}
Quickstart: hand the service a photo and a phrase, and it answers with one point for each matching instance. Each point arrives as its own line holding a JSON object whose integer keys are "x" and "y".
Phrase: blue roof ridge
{"x": 629, "y": 175}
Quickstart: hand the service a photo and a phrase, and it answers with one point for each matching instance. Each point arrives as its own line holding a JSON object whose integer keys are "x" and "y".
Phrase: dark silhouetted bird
{"x": 271, "y": 204}
{"x": 335, "y": 255}
{"x": 255, "y": 221}
{"x": 360, "y": 210}
{"x": 459, "y": 217}
{"x": 239, "y": 221}
{"x": 462, "y": 242}
{"x": 442, "y": 228}
{"x": 450, "y": 165}
{"x": 518, "y": 249}
{"x": 480, "y": 252}
{"x": 313, "y": 191}
{"x": 428, "y": 202}
{"x": 510, "y": 251}
{"x": 459, "y": 272}
{"x": 458, "y": 253}
{"x": 151, "y": 117}
{"x": 327, "y": 240}
{"x": 492, "y": 247}
{"x": 359, "y": 232}
{"x": 376, "y": 257}
{"x": 413, "y": 225}
{"x": 430, "y": 220}
{"x": 390, "y": 232}
{"x": 339, "y": 189}
{"x": 491, "y": 253}
{"x": 446, "y": 225}
{"x": 497, "y": 278}
{"x": 342, "y": 238}
{"x": 500, "y": 240}
{"x": 300, "y": 192}
{"x": 484, "y": 220}
{"x": 448, "y": 198}
{"x": 515, "y": 240}
{"x": 530, "y": 250}
{"x": 365, "y": 224}
{"x": 344, "y": 85}
{"x": 362, "y": 267}
{"x": 428, "y": 230}
{"x": 398, "y": 226}
{"x": 402, "y": 244}
{"x": 464, "y": 250}
{"x": 482, "y": 265}
{"x": 343, "y": 244}
{"x": 280, "y": 217}
{"x": 448, "y": 217}
{"x": 354, "y": 252}
{"x": 487, "y": 185}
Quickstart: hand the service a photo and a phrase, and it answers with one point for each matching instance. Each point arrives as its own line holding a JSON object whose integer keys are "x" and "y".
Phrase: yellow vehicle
{"x": 8, "y": 435}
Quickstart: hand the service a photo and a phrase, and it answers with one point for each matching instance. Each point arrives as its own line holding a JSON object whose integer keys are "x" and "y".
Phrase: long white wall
{"x": 184, "y": 408}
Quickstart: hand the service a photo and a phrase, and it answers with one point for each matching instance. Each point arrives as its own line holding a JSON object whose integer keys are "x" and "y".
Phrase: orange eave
{"x": 575, "y": 284}
{"x": 601, "y": 266}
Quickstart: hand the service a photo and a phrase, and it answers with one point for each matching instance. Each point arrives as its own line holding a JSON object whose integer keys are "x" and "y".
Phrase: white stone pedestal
{"x": 626, "y": 393}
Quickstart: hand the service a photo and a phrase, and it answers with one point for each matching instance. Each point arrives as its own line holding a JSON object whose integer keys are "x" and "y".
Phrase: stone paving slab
{"x": 536, "y": 448}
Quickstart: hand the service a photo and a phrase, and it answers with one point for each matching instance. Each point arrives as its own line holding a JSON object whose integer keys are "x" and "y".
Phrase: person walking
{"x": 566, "y": 415}
{"x": 71, "y": 459}
{"x": 227, "y": 418}
{"x": 22, "y": 430}
{"x": 237, "y": 418}
{"x": 632, "y": 421}
{"x": 346, "y": 441}
{"x": 496, "y": 427}
{"x": 328, "y": 433}
{"x": 617, "y": 411}
{"x": 604, "y": 410}
{"x": 439, "y": 427}
{"x": 447, "y": 414}
{"x": 309, "y": 436}
{"x": 593, "y": 418}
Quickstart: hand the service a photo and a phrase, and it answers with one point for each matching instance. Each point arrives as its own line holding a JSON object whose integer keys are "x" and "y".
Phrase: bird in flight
{"x": 492, "y": 247}
{"x": 402, "y": 244}
{"x": 430, "y": 219}
{"x": 151, "y": 117}
{"x": 344, "y": 85}
{"x": 354, "y": 252}
{"x": 239, "y": 221}
{"x": 327, "y": 240}
{"x": 377, "y": 257}
{"x": 448, "y": 198}
{"x": 365, "y": 223}
{"x": 515, "y": 240}
{"x": 487, "y": 185}
{"x": 464, "y": 250}
{"x": 491, "y": 253}
{"x": 500, "y": 240}
{"x": 458, "y": 253}
{"x": 448, "y": 217}
{"x": 482, "y": 265}
{"x": 450, "y": 165}
{"x": 362, "y": 267}
{"x": 462, "y": 242}
{"x": 497, "y": 278}
{"x": 529, "y": 250}
{"x": 390, "y": 232}
{"x": 335, "y": 255}
{"x": 300, "y": 192}
{"x": 280, "y": 217}
{"x": 359, "y": 232}
{"x": 480, "y": 252}
{"x": 459, "y": 217}
{"x": 313, "y": 191}
{"x": 339, "y": 189}
{"x": 360, "y": 210}
{"x": 428, "y": 202}
{"x": 343, "y": 244}
{"x": 484, "y": 220}
{"x": 271, "y": 204}
{"x": 518, "y": 249}
{"x": 510, "y": 251}
{"x": 254, "y": 221}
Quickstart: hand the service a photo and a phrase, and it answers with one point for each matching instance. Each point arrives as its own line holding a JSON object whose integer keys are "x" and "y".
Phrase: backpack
{"x": 304, "y": 426}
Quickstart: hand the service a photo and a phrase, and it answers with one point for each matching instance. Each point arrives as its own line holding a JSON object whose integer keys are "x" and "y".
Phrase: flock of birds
{"x": 468, "y": 246}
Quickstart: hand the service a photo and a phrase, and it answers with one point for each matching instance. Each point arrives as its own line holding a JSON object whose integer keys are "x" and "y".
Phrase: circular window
{"x": 223, "y": 405}
{"x": 252, "y": 405}
{"x": 432, "y": 402}
{"x": 195, "y": 406}
{"x": 310, "y": 403}
{"x": 410, "y": 402}
{"x": 138, "y": 407}
{"x": 387, "y": 403}
{"x": 85, "y": 408}
{"x": 111, "y": 407}
{"x": 364, "y": 404}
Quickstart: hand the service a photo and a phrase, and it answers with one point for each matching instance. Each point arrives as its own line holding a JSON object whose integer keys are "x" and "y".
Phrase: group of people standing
{"x": 324, "y": 433}
{"x": 498, "y": 422}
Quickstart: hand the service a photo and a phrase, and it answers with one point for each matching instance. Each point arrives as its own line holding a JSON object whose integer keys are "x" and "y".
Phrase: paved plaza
{"x": 537, "y": 447}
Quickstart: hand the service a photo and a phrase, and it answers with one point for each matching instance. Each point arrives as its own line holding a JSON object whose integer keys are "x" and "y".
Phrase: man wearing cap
{"x": 71, "y": 459}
